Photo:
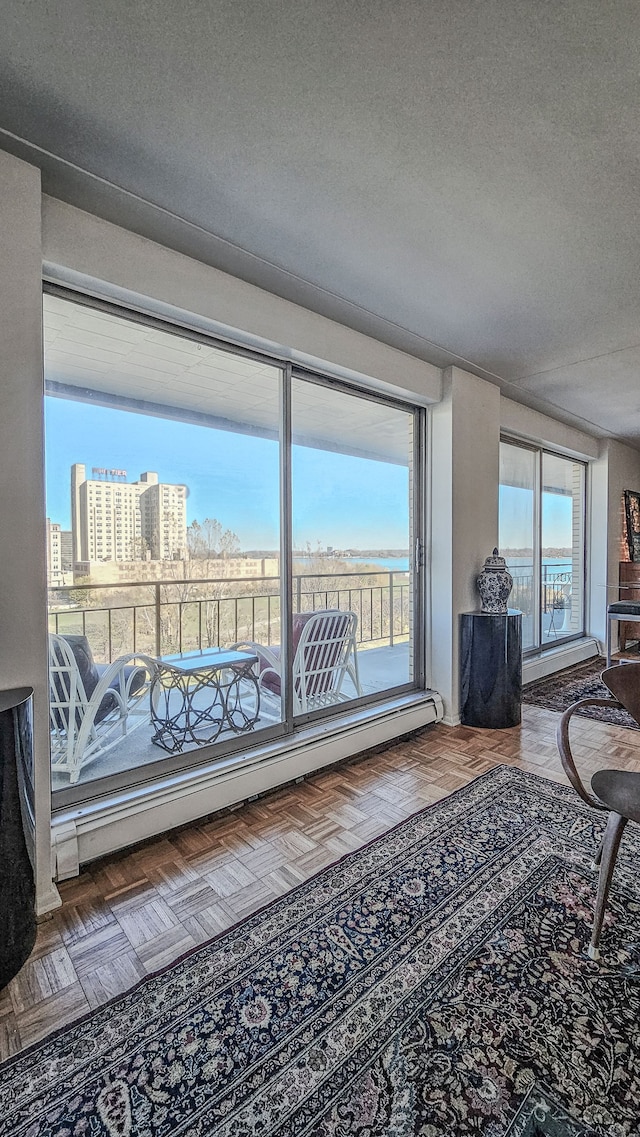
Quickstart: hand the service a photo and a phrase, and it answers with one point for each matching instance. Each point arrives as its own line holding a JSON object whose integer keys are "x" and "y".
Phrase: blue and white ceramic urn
{"x": 494, "y": 584}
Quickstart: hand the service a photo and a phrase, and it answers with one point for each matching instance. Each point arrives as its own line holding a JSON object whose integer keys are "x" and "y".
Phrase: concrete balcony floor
{"x": 380, "y": 668}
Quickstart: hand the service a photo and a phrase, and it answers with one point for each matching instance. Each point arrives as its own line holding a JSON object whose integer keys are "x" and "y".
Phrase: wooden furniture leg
{"x": 608, "y": 852}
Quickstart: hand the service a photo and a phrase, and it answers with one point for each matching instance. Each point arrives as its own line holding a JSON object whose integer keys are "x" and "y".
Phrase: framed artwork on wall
{"x": 632, "y": 514}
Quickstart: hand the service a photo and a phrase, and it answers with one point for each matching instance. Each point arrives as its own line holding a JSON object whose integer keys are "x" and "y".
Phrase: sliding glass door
{"x": 542, "y": 510}
{"x": 229, "y": 548}
{"x": 353, "y": 529}
{"x": 518, "y": 534}
{"x": 163, "y": 497}
{"x": 562, "y": 544}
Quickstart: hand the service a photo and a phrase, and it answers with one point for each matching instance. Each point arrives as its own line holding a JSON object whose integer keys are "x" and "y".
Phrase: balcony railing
{"x": 556, "y": 582}
{"x": 559, "y": 604}
{"x": 163, "y": 616}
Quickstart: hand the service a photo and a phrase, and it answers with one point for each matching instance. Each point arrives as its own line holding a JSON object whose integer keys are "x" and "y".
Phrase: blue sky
{"x": 338, "y": 500}
{"x": 516, "y": 519}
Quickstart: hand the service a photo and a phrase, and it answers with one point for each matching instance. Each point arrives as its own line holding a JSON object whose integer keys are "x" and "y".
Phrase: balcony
{"x": 559, "y": 617}
{"x": 157, "y": 618}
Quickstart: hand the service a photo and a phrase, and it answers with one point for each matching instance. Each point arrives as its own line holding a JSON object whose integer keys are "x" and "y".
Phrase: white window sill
{"x": 557, "y": 658}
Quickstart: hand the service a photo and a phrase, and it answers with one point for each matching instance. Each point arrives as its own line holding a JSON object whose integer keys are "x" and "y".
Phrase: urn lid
{"x": 495, "y": 561}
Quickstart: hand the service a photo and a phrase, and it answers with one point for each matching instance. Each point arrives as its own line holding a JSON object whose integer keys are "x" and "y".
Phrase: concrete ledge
{"x": 84, "y": 832}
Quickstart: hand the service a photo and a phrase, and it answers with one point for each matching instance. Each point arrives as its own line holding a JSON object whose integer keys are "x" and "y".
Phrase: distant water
{"x": 522, "y": 566}
{"x": 389, "y": 564}
{"x": 519, "y": 566}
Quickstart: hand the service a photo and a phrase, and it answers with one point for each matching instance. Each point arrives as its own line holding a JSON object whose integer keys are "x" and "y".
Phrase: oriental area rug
{"x": 582, "y": 681}
{"x": 432, "y": 983}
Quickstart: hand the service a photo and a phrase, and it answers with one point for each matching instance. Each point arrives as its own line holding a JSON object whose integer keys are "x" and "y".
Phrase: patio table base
{"x": 194, "y": 698}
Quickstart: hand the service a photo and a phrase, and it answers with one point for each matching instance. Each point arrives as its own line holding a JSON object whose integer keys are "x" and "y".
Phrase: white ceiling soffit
{"x": 457, "y": 179}
{"x": 96, "y": 356}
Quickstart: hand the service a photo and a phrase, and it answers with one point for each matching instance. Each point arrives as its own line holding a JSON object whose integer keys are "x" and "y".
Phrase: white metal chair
{"x": 91, "y": 706}
{"x": 325, "y": 659}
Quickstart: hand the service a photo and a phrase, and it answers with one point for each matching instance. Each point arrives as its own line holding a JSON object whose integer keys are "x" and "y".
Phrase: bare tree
{"x": 208, "y": 541}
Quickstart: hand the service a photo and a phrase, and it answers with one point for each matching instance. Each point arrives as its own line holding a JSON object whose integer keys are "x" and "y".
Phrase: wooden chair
{"x": 92, "y": 706}
{"x": 325, "y": 657}
{"x": 614, "y": 791}
{"x": 623, "y": 611}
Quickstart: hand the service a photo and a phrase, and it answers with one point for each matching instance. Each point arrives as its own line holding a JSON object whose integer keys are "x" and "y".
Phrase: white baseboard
{"x": 451, "y": 720}
{"x": 559, "y": 657}
{"x": 82, "y": 833}
{"x": 47, "y": 900}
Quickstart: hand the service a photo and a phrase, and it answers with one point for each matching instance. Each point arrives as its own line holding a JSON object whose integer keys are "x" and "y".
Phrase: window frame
{"x": 540, "y": 450}
{"x": 228, "y": 751}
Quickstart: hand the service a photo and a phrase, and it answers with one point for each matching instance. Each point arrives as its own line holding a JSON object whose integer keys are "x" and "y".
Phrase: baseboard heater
{"x": 83, "y": 832}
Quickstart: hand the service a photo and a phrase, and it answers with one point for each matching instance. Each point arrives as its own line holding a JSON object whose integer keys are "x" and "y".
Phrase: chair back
{"x": 623, "y": 681}
{"x": 67, "y": 695}
{"x": 325, "y": 652}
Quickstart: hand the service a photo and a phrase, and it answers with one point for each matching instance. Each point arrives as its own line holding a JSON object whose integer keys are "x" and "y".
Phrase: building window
{"x": 542, "y": 537}
{"x": 259, "y": 510}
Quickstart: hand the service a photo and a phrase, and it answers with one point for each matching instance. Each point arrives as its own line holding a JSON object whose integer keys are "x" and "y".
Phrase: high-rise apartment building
{"x": 54, "y": 553}
{"x": 164, "y": 518}
{"x": 117, "y": 520}
{"x": 66, "y": 550}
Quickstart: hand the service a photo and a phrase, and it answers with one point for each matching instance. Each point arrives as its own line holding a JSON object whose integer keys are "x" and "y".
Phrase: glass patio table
{"x": 198, "y": 695}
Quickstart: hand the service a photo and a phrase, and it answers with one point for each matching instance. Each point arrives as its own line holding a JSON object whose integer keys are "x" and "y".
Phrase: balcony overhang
{"x": 94, "y": 356}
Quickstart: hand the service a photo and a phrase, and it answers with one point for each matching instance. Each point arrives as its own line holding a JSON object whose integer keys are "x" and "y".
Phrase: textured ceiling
{"x": 458, "y": 178}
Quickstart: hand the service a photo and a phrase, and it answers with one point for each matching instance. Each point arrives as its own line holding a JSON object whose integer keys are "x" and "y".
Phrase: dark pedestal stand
{"x": 17, "y": 890}
{"x": 490, "y": 669}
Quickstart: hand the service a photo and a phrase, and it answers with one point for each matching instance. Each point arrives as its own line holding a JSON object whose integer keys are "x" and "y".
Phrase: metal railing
{"x": 555, "y": 586}
{"x": 557, "y": 604}
{"x": 159, "y": 617}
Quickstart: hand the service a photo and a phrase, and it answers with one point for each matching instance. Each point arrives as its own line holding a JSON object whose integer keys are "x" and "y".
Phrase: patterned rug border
{"x": 496, "y": 772}
{"x": 554, "y": 676}
{"x": 526, "y": 1124}
{"x": 559, "y": 690}
{"x": 405, "y": 1013}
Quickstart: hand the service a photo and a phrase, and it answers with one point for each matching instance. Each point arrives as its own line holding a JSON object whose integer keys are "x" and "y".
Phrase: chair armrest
{"x": 566, "y": 757}
{"x": 265, "y": 655}
{"x": 116, "y": 671}
{"x": 269, "y": 671}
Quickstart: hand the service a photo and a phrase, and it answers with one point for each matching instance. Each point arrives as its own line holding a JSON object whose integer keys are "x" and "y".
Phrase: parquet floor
{"x": 137, "y": 911}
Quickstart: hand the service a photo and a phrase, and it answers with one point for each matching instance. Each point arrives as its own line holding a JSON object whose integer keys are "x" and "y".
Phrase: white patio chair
{"x": 325, "y": 659}
{"x": 556, "y": 617}
{"x": 92, "y": 706}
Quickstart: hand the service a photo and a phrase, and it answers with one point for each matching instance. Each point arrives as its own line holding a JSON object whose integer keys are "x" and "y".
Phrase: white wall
{"x": 523, "y": 422}
{"x": 23, "y": 644}
{"x": 106, "y": 260}
{"x": 465, "y": 456}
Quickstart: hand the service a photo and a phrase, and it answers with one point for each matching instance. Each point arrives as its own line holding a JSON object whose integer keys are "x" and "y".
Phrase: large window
{"x": 228, "y": 547}
{"x": 352, "y": 523}
{"x": 542, "y": 508}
